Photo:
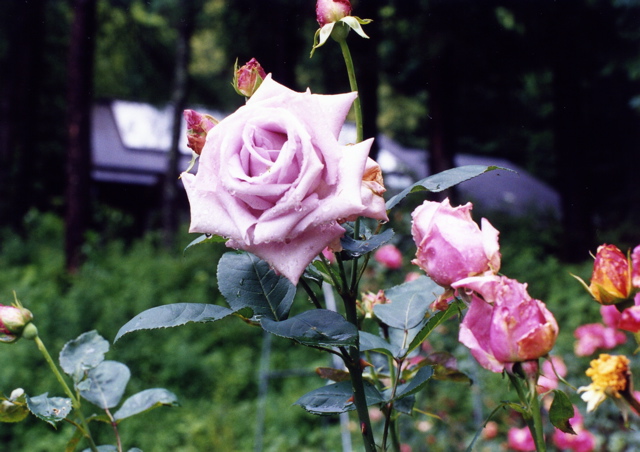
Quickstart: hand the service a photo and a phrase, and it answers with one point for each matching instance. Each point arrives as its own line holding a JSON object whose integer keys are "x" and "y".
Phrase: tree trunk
{"x": 178, "y": 102}
{"x": 80, "y": 99}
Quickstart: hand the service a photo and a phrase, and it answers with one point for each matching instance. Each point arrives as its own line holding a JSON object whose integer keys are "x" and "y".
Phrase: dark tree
{"x": 79, "y": 105}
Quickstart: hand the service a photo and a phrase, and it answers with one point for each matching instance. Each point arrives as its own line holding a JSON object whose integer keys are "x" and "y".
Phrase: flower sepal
{"x": 340, "y": 32}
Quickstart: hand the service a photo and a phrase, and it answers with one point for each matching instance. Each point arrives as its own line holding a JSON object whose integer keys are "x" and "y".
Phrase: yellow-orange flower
{"x": 609, "y": 375}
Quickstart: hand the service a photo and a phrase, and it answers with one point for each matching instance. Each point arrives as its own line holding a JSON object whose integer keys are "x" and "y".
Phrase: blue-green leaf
{"x": 82, "y": 354}
{"x": 248, "y": 282}
{"x": 409, "y": 303}
{"x": 173, "y": 315}
{"x": 145, "y": 401}
{"x": 415, "y": 384}
{"x": 442, "y": 181}
{"x": 317, "y": 328}
{"x": 105, "y": 384}
{"x": 336, "y": 398}
{"x": 352, "y": 249}
{"x": 50, "y": 409}
{"x": 104, "y": 448}
{"x": 371, "y": 342}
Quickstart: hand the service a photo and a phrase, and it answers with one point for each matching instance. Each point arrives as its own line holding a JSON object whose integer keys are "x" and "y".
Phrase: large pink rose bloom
{"x": 273, "y": 179}
{"x": 504, "y": 324}
{"x": 450, "y": 244}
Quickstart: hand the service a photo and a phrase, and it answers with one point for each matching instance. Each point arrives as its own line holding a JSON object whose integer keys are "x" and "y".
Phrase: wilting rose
{"x": 273, "y": 179}
{"x": 504, "y": 324}
{"x": 611, "y": 278}
{"x": 389, "y": 256}
{"x": 13, "y": 319}
{"x": 328, "y": 11}
{"x": 450, "y": 244}
{"x": 248, "y": 78}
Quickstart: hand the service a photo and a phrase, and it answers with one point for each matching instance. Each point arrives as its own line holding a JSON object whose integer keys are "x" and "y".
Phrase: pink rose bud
{"x": 389, "y": 256}
{"x": 611, "y": 278}
{"x": 328, "y": 11}
{"x": 369, "y": 300}
{"x": 450, "y": 244}
{"x": 506, "y": 325}
{"x": 13, "y": 320}
{"x": 248, "y": 78}
{"x": 197, "y": 127}
{"x": 630, "y": 319}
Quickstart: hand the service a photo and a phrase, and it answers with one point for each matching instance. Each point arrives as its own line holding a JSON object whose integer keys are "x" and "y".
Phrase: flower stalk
{"x": 74, "y": 400}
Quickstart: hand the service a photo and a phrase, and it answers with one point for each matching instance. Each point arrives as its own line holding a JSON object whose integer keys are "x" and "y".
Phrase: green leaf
{"x": 171, "y": 315}
{"x": 316, "y": 328}
{"x": 50, "y": 409}
{"x": 414, "y": 385}
{"x": 371, "y": 342}
{"x": 248, "y": 282}
{"x": 561, "y": 411}
{"x": 405, "y": 405}
{"x": 353, "y": 249}
{"x": 83, "y": 354}
{"x": 336, "y": 398}
{"x": 409, "y": 303}
{"x": 105, "y": 385}
{"x": 144, "y": 401}
{"x": 434, "y": 322}
{"x": 205, "y": 238}
{"x": 442, "y": 181}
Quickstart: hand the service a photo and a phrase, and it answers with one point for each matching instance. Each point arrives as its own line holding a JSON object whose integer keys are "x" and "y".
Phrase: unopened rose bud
{"x": 611, "y": 278}
{"x": 328, "y": 11}
{"x": 13, "y": 409}
{"x": 248, "y": 78}
{"x": 13, "y": 320}
{"x": 197, "y": 127}
{"x": 369, "y": 300}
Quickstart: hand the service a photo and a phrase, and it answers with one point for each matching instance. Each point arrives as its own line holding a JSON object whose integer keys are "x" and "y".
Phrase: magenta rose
{"x": 274, "y": 180}
{"x": 389, "y": 256}
{"x": 504, "y": 324}
{"x": 450, "y": 244}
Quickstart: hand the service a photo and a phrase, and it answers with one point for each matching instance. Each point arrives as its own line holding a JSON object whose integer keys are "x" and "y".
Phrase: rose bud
{"x": 450, "y": 244}
{"x": 328, "y": 11}
{"x": 504, "y": 324}
{"x": 197, "y": 127}
{"x": 13, "y": 320}
{"x": 611, "y": 278}
{"x": 635, "y": 263}
{"x": 248, "y": 78}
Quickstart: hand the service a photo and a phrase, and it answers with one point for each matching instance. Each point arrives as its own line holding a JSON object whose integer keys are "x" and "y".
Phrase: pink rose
{"x": 389, "y": 256}
{"x": 635, "y": 271}
{"x": 506, "y": 325}
{"x": 582, "y": 441}
{"x": 520, "y": 439}
{"x": 450, "y": 244}
{"x": 610, "y": 315}
{"x": 328, "y": 11}
{"x": 630, "y": 319}
{"x": 593, "y": 336}
{"x": 273, "y": 179}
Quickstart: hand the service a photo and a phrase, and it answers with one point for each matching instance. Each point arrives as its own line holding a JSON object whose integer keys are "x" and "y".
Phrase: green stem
{"x": 353, "y": 84}
{"x": 533, "y": 417}
{"x": 74, "y": 400}
{"x": 357, "y": 382}
{"x": 312, "y": 295}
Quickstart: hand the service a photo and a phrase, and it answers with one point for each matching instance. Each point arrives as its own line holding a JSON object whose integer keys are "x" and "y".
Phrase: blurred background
{"x": 93, "y": 218}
